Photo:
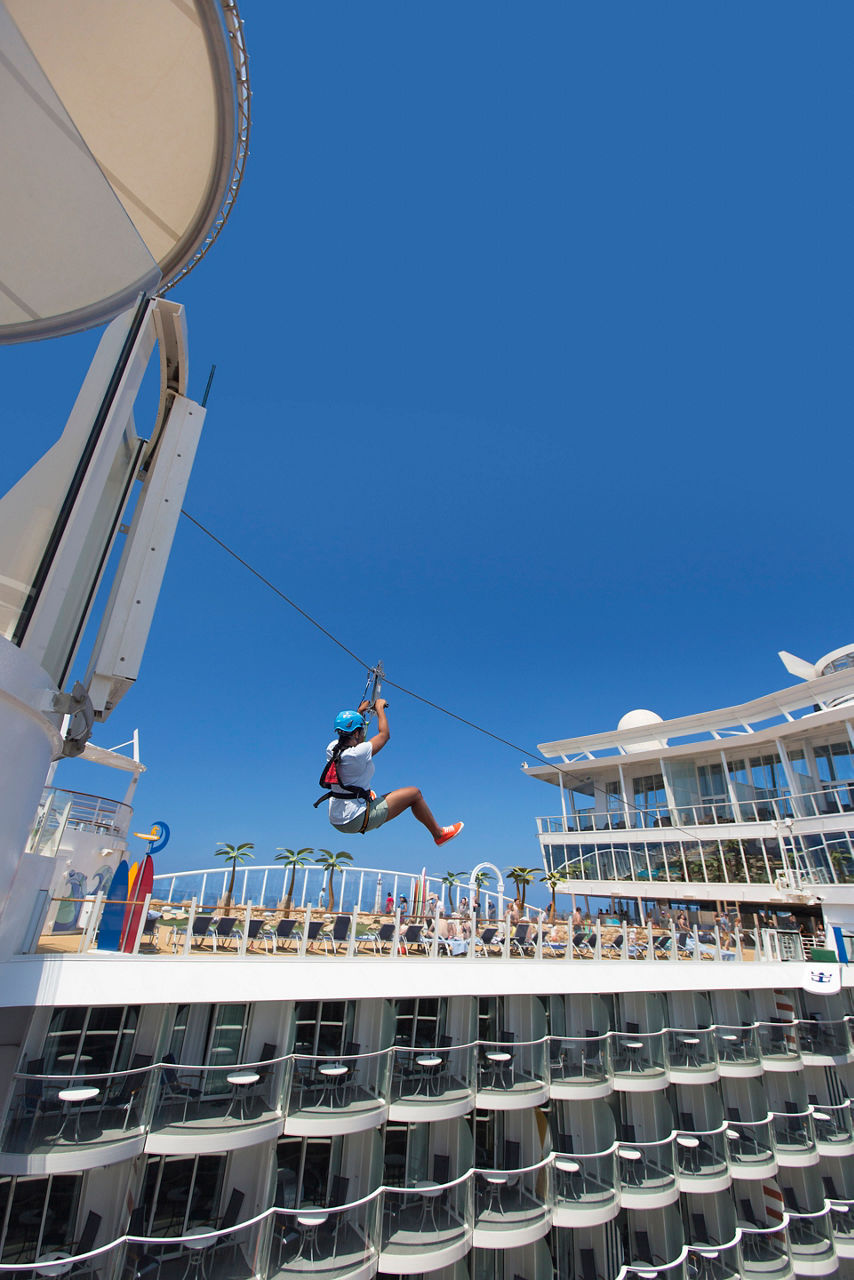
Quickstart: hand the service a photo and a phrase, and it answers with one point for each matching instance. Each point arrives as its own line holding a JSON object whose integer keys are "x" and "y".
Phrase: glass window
{"x": 181, "y": 1192}
{"x": 37, "y": 1214}
{"x": 81, "y": 1041}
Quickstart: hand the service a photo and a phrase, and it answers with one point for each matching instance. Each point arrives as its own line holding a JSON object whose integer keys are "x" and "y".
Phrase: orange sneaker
{"x": 448, "y": 833}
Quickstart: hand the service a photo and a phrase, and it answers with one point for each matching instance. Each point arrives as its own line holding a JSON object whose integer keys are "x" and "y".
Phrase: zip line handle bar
{"x": 375, "y": 685}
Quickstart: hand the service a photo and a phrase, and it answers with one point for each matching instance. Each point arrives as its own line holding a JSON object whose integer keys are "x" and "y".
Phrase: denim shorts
{"x": 379, "y": 815}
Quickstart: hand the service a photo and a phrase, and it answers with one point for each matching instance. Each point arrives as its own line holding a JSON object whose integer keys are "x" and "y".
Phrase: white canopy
{"x": 121, "y": 128}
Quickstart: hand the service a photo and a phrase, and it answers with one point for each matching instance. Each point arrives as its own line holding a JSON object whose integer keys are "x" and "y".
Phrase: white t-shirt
{"x": 355, "y": 769}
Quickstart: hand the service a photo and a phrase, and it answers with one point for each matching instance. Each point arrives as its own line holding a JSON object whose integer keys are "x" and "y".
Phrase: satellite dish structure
{"x": 125, "y": 132}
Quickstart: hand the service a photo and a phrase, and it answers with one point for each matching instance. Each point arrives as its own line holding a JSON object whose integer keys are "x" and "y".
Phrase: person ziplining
{"x": 353, "y": 807}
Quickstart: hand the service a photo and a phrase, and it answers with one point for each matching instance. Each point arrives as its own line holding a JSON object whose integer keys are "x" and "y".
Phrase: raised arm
{"x": 383, "y": 733}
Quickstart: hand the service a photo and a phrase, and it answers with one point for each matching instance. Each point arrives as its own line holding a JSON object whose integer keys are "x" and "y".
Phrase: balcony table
{"x": 332, "y": 1080}
{"x": 633, "y": 1050}
{"x": 691, "y": 1044}
{"x": 429, "y": 1190}
{"x": 309, "y": 1223}
{"x": 498, "y": 1060}
{"x": 56, "y": 1263}
{"x": 74, "y": 1098}
{"x": 240, "y": 1082}
{"x": 691, "y": 1147}
{"x": 196, "y": 1240}
{"x": 630, "y": 1155}
{"x": 429, "y": 1065}
{"x": 496, "y": 1182}
{"x": 570, "y": 1168}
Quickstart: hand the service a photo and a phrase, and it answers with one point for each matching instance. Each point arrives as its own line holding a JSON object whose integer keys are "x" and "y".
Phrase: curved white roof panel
{"x": 123, "y": 140}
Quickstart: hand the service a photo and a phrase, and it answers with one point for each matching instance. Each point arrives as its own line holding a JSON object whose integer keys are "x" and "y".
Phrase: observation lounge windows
{"x": 650, "y": 802}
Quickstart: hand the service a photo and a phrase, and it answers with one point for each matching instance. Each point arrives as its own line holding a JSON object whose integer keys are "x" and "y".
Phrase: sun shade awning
{"x": 120, "y": 129}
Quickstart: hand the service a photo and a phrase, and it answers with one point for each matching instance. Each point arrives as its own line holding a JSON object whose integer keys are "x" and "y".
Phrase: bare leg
{"x": 411, "y": 798}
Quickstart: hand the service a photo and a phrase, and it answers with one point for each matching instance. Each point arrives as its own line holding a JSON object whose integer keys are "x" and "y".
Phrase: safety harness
{"x": 329, "y": 778}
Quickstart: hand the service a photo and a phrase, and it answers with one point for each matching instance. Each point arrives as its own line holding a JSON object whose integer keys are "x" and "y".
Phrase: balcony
{"x": 338, "y": 1093}
{"x": 751, "y": 1148}
{"x": 738, "y": 1051}
{"x": 811, "y": 1242}
{"x": 333, "y": 1242}
{"x": 585, "y": 1189}
{"x": 842, "y": 1226}
{"x": 511, "y": 1074}
{"x": 702, "y": 1160}
{"x": 67, "y": 1122}
{"x": 217, "y": 1108}
{"x": 692, "y": 1055}
{"x": 580, "y": 1067}
{"x": 794, "y": 1138}
{"x": 512, "y": 1206}
{"x": 822, "y": 1039}
{"x": 61, "y": 811}
{"x": 779, "y": 1045}
{"x": 639, "y": 1060}
{"x": 833, "y": 1128}
{"x": 647, "y": 1174}
{"x": 426, "y": 1226}
{"x": 764, "y": 1252}
{"x": 721, "y": 1262}
{"x": 432, "y": 1083}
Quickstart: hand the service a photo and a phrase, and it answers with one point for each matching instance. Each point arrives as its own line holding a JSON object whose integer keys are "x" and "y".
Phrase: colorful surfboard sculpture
{"x": 113, "y": 915}
{"x": 132, "y": 874}
{"x": 134, "y": 920}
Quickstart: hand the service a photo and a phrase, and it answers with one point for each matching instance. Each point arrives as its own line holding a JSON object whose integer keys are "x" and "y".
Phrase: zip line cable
{"x": 560, "y": 768}
{"x": 267, "y": 583}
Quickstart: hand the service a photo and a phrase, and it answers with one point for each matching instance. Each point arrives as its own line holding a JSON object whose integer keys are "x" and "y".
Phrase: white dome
{"x": 637, "y": 720}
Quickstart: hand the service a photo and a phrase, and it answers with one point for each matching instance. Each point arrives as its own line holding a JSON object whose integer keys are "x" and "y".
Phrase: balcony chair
{"x": 337, "y": 936}
{"x": 285, "y": 932}
{"x": 335, "y": 1199}
{"x": 591, "y": 1052}
{"x": 254, "y": 930}
{"x": 198, "y": 933}
{"x": 32, "y": 1103}
{"x": 140, "y": 1264}
{"x": 413, "y": 939}
{"x": 349, "y": 1084}
{"x": 222, "y": 931}
{"x": 86, "y": 1243}
{"x": 521, "y": 941}
{"x": 382, "y": 939}
{"x": 265, "y": 1069}
{"x": 172, "y": 1089}
{"x": 226, "y": 1244}
{"x": 484, "y": 942}
{"x": 316, "y": 929}
{"x": 442, "y": 1175}
{"x": 124, "y": 1099}
{"x": 581, "y": 944}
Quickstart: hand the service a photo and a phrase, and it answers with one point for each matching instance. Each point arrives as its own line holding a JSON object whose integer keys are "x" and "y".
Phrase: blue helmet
{"x": 348, "y": 721}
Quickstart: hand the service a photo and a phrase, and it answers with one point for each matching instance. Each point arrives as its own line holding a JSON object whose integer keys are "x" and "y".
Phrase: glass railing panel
{"x": 51, "y": 1112}
{"x": 425, "y": 1074}
{"x": 638, "y": 1052}
{"x": 778, "y": 1040}
{"x": 764, "y": 1252}
{"x": 588, "y": 1180}
{"x": 793, "y": 1131}
{"x": 691, "y": 1050}
{"x": 810, "y": 1236}
{"x": 842, "y": 1219}
{"x": 701, "y": 1155}
{"x": 316, "y": 1240}
{"x": 749, "y": 1142}
{"x": 206, "y": 1252}
{"x": 511, "y": 1066}
{"x": 219, "y": 1098}
{"x": 335, "y": 1082}
{"x": 737, "y": 1044}
{"x": 720, "y": 1263}
{"x": 646, "y": 1166}
{"x": 512, "y": 1197}
{"x": 58, "y": 1257}
{"x": 426, "y": 1214}
{"x": 580, "y": 1060}
{"x": 833, "y": 1123}
{"x": 831, "y": 1038}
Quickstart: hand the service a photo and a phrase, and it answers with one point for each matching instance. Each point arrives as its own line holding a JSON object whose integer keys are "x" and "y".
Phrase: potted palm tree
{"x": 479, "y": 879}
{"x": 450, "y": 880}
{"x": 233, "y": 853}
{"x": 293, "y": 860}
{"x": 552, "y": 879}
{"x": 521, "y": 877}
{"x": 333, "y": 862}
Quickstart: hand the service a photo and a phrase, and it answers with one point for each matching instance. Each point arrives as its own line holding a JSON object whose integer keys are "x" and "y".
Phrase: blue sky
{"x": 533, "y": 339}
